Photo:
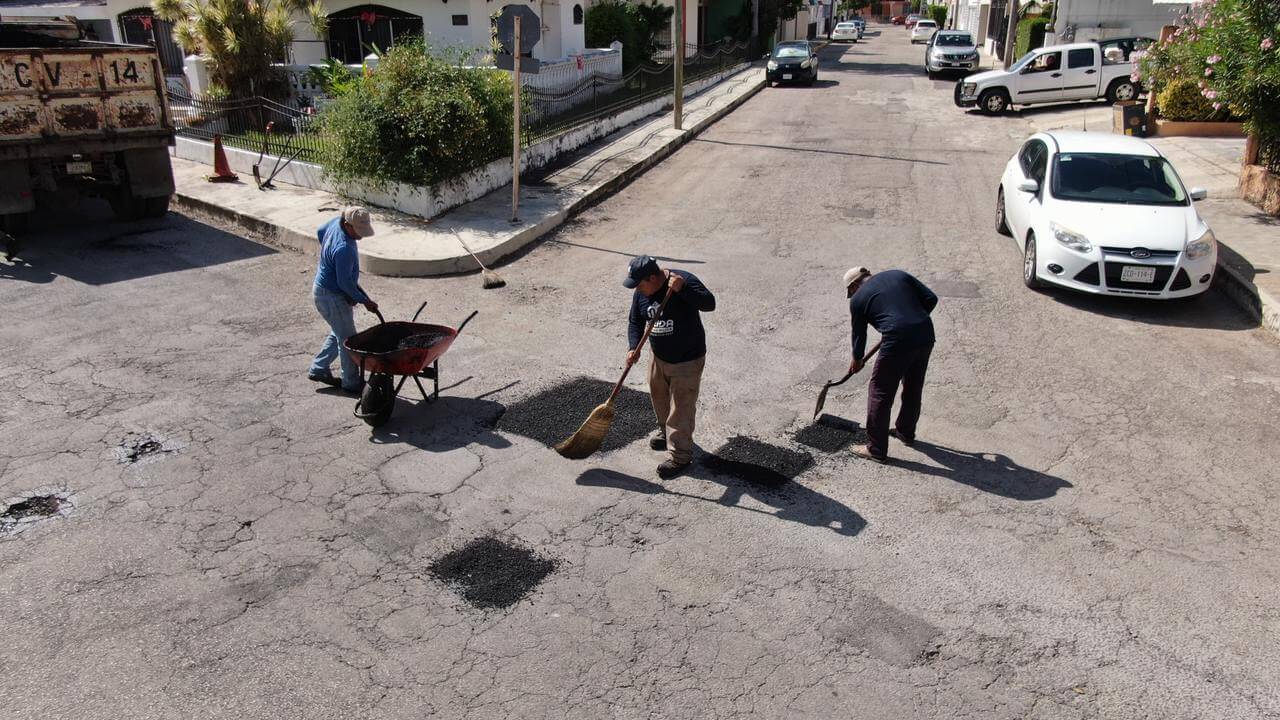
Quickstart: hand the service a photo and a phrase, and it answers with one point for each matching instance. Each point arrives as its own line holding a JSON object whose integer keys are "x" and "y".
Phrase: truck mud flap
{"x": 149, "y": 172}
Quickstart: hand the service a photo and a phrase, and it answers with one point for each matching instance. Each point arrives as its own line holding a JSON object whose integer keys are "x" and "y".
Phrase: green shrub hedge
{"x": 1031, "y": 33}
{"x": 418, "y": 119}
{"x": 1181, "y": 99}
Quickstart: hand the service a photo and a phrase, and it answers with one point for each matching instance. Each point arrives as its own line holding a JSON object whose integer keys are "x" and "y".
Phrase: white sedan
{"x": 923, "y": 30}
{"x": 845, "y": 32}
{"x": 1104, "y": 214}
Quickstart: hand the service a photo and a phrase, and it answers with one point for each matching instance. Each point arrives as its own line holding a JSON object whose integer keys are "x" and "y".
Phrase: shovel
{"x": 822, "y": 396}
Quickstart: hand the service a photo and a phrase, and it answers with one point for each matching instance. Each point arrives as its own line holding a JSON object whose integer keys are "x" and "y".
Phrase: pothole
{"x": 17, "y": 514}
{"x": 556, "y": 413}
{"x": 757, "y": 462}
{"x": 830, "y": 434}
{"x": 491, "y": 573}
{"x": 137, "y": 448}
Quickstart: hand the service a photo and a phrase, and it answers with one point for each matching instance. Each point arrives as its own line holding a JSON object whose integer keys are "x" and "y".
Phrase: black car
{"x": 792, "y": 62}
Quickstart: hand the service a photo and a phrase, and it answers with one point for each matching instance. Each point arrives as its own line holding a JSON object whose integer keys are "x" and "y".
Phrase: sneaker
{"x": 670, "y": 468}
{"x": 658, "y": 442}
{"x": 864, "y": 451}
{"x": 324, "y": 379}
{"x": 908, "y": 441}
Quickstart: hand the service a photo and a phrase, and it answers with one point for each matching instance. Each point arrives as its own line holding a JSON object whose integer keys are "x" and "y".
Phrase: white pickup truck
{"x": 1058, "y": 73}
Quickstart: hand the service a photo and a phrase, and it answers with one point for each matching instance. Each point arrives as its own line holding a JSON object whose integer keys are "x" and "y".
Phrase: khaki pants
{"x": 673, "y": 388}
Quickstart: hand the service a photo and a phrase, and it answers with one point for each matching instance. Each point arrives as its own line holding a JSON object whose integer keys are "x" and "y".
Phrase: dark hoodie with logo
{"x": 678, "y": 335}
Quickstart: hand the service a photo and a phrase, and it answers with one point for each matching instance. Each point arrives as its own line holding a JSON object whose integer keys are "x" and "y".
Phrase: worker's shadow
{"x": 988, "y": 472}
{"x": 789, "y": 500}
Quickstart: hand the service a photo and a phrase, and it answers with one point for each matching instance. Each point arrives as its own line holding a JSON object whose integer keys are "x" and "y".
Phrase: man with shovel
{"x": 897, "y": 305}
{"x": 679, "y": 346}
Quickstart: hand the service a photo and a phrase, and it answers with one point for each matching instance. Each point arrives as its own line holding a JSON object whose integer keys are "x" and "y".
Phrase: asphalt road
{"x": 1086, "y": 528}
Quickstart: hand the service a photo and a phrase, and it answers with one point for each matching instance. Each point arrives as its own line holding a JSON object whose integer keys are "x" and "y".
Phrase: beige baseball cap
{"x": 358, "y": 219}
{"x": 854, "y": 273}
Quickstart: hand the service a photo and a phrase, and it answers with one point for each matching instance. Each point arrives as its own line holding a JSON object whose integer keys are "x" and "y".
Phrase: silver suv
{"x": 950, "y": 50}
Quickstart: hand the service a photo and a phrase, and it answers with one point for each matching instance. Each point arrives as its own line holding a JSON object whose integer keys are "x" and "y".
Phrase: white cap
{"x": 854, "y": 273}
{"x": 358, "y": 219}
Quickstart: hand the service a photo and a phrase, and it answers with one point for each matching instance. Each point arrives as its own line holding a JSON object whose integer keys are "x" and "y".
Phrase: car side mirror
{"x": 1029, "y": 186}
{"x": 1199, "y": 193}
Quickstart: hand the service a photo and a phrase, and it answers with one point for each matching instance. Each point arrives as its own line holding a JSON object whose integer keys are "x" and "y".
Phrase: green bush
{"x": 939, "y": 13}
{"x": 1030, "y": 35}
{"x": 1181, "y": 99}
{"x": 635, "y": 25}
{"x": 417, "y": 119}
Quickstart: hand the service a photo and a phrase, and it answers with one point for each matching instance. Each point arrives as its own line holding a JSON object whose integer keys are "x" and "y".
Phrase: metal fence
{"x": 553, "y": 108}
{"x": 248, "y": 123}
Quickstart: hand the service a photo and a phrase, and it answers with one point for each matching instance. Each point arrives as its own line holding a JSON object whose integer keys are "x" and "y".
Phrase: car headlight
{"x": 968, "y": 89}
{"x": 1201, "y": 246}
{"x": 772, "y": 65}
{"x": 1070, "y": 238}
{"x": 972, "y": 56}
{"x": 805, "y": 64}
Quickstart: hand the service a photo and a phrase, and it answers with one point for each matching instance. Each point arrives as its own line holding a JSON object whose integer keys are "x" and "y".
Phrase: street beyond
{"x": 1086, "y": 527}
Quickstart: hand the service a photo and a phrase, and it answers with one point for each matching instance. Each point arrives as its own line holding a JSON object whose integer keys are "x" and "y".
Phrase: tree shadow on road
{"x": 820, "y": 151}
{"x": 988, "y": 472}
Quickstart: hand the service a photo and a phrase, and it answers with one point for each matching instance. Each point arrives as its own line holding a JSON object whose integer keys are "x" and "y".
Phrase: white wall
{"x": 1095, "y": 19}
{"x": 109, "y": 12}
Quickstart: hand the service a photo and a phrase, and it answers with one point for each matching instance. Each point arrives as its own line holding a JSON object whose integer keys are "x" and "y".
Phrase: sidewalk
{"x": 407, "y": 245}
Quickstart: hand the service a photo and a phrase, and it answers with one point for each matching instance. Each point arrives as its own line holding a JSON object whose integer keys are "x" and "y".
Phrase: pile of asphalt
{"x": 492, "y": 573}
{"x": 37, "y": 506}
{"x": 556, "y": 413}
{"x": 137, "y": 447}
{"x": 758, "y": 463}
{"x": 830, "y": 434}
{"x": 423, "y": 340}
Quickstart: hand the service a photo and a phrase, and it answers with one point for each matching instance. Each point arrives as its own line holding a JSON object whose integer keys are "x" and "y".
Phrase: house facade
{"x": 1072, "y": 20}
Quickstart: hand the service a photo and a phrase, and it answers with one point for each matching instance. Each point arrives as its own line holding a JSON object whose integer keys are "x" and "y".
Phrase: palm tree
{"x": 240, "y": 38}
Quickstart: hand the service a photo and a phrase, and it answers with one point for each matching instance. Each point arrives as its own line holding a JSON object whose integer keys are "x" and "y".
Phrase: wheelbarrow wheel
{"x": 377, "y": 401}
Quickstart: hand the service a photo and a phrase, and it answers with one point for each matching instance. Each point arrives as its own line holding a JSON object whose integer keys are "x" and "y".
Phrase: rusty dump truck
{"x": 76, "y": 114}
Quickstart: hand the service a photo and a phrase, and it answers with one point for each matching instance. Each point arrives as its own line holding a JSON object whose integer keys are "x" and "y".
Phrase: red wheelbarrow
{"x": 408, "y": 349}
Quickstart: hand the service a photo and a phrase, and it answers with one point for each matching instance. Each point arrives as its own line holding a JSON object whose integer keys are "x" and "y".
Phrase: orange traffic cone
{"x": 221, "y": 170}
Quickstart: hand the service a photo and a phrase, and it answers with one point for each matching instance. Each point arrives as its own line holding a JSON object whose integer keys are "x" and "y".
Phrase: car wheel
{"x": 931, "y": 74}
{"x": 993, "y": 102}
{"x": 1122, "y": 89}
{"x": 1002, "y": 219}
{"x": 1029, "y": 264}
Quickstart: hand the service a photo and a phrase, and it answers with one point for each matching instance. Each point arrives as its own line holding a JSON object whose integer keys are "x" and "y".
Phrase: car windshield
{"x": 790, "y": 51}
{"x": 954, "y": 40}
{"x": 1127, "y": 179}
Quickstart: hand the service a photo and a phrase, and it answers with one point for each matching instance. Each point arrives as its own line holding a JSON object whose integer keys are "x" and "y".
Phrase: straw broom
{"x": 591, "y": 435}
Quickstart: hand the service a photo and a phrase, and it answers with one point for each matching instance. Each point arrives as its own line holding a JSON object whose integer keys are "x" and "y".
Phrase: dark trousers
{"x": 893, "y": 367}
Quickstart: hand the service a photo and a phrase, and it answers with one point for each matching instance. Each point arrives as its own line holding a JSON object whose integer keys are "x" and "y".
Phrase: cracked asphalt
{"x": 1086, "y": 528}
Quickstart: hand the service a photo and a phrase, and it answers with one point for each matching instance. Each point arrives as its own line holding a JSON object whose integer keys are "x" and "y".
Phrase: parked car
{"x": 911, "y": 19}
{"x": 898, "y": 19}
{"x": 793, "y": 61}
{"x": 862, "y": 26}
{"x": 1049, "y": 74}
{"x": 1104, "y": 214}
{"x": 845, "y": 32}
{"x": 950, "y": 50}
{"x": 923, "y": 30}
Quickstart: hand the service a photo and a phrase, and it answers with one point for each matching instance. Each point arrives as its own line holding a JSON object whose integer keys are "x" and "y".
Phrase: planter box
{"x": 1260, "y": 188}
{"x": 1171, "y": 128}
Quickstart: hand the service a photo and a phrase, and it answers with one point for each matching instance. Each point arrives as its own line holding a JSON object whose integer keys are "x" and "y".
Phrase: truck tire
{"x": 15, "y": 223}
{"x": 125, "y": 206}
{"x": 1122, "y": 89}
{"x": 994, "y": 101}
{"x": 155, "y": 207}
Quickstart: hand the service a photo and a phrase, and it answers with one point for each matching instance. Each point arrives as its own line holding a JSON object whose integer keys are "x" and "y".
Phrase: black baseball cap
{"x": 639, "y": 269}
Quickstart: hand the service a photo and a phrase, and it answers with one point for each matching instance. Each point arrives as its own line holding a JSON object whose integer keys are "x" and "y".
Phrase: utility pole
{"x": 677, "y": 65}
{"x": 1011, "y": 34}
{"x": 515, "y": 128}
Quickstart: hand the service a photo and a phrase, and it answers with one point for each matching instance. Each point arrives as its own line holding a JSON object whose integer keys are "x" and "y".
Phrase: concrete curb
{"x": 286, "y": 238}
{"x": 1259, "y": 304}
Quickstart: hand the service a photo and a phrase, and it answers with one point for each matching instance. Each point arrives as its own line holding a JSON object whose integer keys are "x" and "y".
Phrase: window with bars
{"x": 358, "y": 31}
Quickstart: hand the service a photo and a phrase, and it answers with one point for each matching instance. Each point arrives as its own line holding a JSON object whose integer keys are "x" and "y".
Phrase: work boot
{"x": 670, "y": 468}
{"x": 864, "y": 451}
{"x": 658, "y": 441}
{"x": 908, "y": 441}
{"x": 324, "y": 379}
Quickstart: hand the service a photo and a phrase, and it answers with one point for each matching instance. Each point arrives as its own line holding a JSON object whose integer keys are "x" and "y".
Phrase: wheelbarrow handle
{"x": 464, "y": 322}
{"x": 421, "y": 307}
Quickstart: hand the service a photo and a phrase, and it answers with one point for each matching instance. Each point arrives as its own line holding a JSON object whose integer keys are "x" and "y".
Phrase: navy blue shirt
{"x": 678, "y": 335}
{"x": 897, "y": 305}
{"x": 338, "y": 269}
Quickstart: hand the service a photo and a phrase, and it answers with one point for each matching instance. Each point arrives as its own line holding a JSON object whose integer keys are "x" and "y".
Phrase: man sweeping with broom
{"x": 679, "y": 345}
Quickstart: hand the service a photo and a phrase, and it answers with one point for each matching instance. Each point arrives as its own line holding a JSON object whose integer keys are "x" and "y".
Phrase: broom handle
{"x": 643, "y": 338}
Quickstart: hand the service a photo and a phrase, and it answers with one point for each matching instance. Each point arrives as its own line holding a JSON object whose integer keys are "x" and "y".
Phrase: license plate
{"x": 786, "y": 76}
{"x": 1133, "y": 274}
{"x": 79, "y": 168}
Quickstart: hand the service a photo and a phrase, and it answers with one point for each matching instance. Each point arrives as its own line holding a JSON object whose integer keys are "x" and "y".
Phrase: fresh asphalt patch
{"x": 556, "y": 413}
{"x": 830, "y": 434}
{"x": 492, "y": 573}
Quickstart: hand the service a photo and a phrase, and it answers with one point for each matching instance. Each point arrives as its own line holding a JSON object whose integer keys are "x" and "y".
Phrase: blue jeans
{"x": 340, "y": 314}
